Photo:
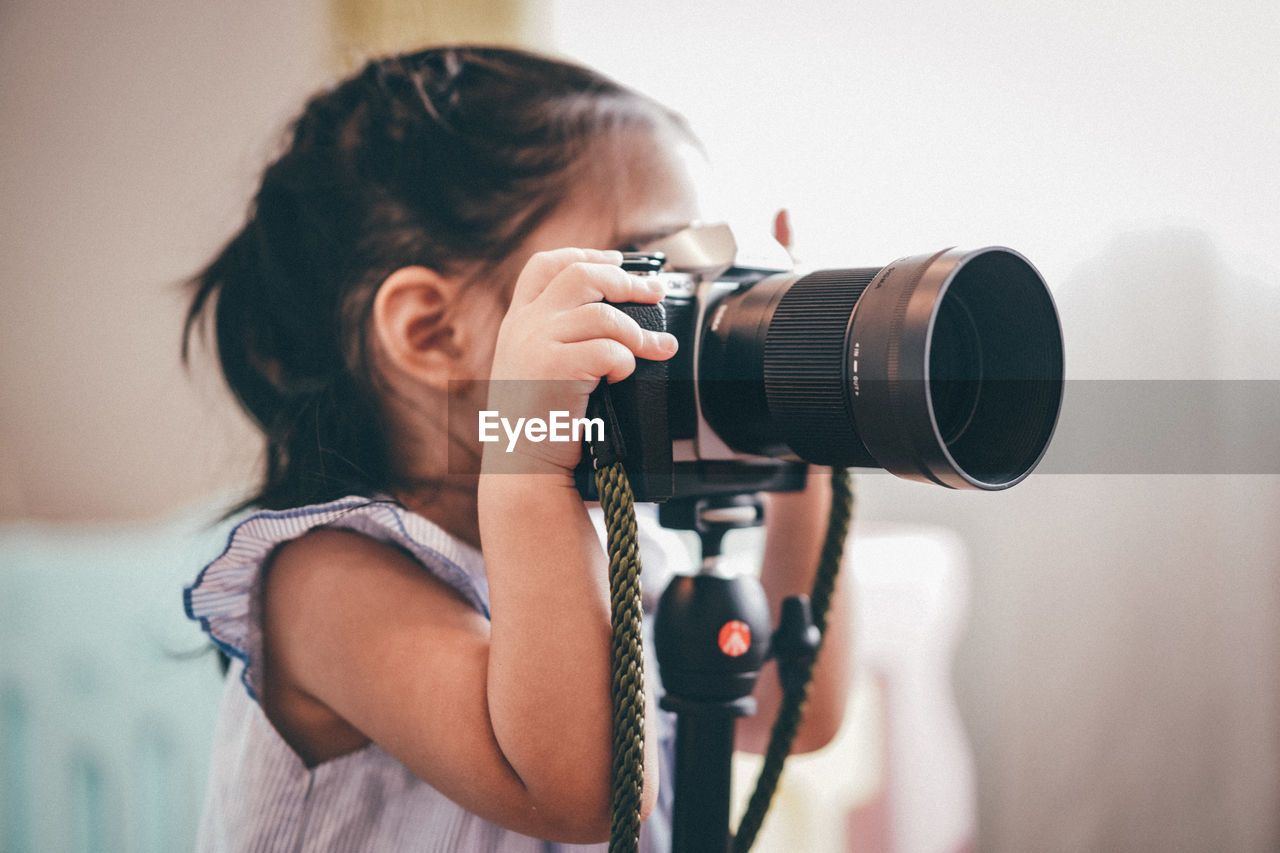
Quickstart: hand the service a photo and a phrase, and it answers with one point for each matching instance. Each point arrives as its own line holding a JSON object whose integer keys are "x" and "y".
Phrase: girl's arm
{"x": 363, "y": 644}
{"x": 549, "y": 665}
{"x": 795, "y": 524}
{"x": 550, "y": 650}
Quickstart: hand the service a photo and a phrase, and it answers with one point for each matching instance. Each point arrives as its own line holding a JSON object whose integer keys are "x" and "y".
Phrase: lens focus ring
{"x": 805, "y": 369}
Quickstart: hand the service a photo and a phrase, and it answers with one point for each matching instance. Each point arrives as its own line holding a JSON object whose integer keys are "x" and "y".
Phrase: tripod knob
{"x": 711, "y": 636}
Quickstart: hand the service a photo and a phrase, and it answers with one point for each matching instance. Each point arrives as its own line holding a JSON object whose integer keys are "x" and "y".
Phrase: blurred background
{"x": 1118, "y": 669}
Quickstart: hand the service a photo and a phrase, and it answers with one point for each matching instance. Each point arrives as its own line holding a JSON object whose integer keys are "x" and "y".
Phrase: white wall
{"x": 893, "y": 126}
{"x": 131, "y": 135}
{"x": 1119, "y": 678}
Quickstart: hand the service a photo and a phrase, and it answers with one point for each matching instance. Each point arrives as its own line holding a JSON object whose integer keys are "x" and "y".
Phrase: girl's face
{"x": 640, "y": 191}
{"x": 647, "y": 190}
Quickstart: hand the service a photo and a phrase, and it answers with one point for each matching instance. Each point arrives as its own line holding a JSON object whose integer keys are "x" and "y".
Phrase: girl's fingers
{"x": 782, "y": 228}
{"x": 582, "y": 283}
{"x": 600, "y": 320}
{"x": 561, "y": 300}
{"x": 544, "y": 267}
{"x": 565, "y": 278}
{"x": 601, "y": 357}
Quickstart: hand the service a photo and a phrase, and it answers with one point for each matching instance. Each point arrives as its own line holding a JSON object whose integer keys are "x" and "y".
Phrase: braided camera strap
{"x": 628, "y": 656}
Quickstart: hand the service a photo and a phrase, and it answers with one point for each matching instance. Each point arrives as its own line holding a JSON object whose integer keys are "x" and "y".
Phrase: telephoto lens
{"x": 945, "y": 368}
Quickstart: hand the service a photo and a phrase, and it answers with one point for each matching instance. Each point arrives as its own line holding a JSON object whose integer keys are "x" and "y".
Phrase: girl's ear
{"x": 415, "y": 325}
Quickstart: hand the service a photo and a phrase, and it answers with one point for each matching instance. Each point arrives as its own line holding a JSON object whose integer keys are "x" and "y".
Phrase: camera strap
{"x": 627, "y": 683}
{"x": 626, "y": 615}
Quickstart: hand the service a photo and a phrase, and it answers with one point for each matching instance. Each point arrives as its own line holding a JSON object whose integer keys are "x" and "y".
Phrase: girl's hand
{"x": 557, "y": 340}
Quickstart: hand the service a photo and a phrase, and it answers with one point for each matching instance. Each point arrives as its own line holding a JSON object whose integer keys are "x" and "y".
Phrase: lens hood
{"x": 955, "y": 368}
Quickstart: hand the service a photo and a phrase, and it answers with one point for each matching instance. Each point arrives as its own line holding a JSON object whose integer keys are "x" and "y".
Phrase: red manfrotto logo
{"x": 735, "y": 638}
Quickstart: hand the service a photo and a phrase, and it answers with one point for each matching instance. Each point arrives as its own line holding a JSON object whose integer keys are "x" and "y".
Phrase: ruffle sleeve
{"x": 226, "y": 596}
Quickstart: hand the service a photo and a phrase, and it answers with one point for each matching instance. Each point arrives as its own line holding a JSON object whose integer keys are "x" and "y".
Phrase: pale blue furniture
{"x": 107, "y": 692}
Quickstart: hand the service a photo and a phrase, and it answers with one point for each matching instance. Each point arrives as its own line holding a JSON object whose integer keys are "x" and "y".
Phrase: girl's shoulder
{"x": 226, "y": 596}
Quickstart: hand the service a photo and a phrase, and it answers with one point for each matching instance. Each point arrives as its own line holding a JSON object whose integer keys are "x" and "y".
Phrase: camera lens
{"x": 945, "y": 368}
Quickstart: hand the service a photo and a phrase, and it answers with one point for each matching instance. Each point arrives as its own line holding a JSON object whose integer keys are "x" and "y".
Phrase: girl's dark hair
{"x": 448, "y": 159}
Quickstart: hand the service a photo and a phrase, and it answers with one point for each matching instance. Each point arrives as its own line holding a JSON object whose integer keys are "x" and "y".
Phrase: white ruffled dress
{"x": 260, "y": 794}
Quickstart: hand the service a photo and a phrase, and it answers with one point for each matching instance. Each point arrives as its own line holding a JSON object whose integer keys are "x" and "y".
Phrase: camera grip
{"x": 637, "y": 429}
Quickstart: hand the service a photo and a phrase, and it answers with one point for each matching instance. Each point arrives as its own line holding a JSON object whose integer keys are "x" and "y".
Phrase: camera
{"x": 944, "y": 367}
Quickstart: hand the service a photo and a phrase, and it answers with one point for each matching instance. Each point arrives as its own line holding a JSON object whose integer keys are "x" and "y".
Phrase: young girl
{"x": 420, "y": 651}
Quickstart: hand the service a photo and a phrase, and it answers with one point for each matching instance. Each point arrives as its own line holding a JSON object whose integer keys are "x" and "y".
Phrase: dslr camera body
{"x": 944, "y": 367}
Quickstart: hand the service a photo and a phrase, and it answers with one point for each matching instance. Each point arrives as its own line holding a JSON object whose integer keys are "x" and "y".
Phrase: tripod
{"x": 711, "y": 636}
